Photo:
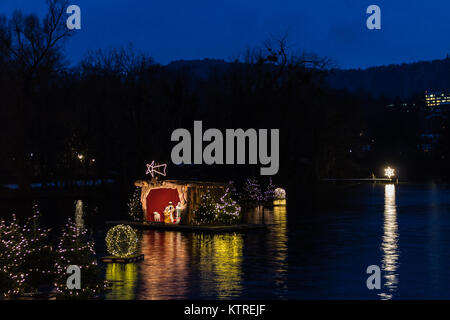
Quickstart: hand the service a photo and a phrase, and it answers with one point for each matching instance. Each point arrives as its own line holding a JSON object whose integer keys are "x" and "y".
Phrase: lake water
{"x": 308, "y": 252}
{"x": 404, "y": 229}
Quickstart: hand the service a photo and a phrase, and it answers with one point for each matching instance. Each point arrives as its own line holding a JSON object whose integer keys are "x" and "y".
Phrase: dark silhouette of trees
{"x": 30, "y": 58}
{"x": 116, "y": 110}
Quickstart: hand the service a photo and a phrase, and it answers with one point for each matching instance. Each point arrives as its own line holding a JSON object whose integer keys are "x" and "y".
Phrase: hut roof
{"x": 188, "y": 183}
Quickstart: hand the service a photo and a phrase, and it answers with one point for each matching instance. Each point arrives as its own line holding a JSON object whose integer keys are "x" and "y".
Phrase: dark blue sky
{"x": 412, "y": 30}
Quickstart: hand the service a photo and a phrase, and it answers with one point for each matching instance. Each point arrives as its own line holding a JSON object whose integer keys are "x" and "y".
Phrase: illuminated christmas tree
{"x": 13, "y": 250}
{"x": 229, "y": 211}
{"x": 252, "y": 191}
{"x": 74, "y": 248}
{"x": 224, "y": 211}
{"x": 269, "y": 193}
{"x": 207, "y": 211}
{"x": 134, "y": 206}
{"x": 25, "y": 256}
{"x": 233, "y": 190}
{"x": 38, "y": 261}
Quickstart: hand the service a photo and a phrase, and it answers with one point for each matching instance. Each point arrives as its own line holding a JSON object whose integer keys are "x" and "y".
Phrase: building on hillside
{"x": 436, "y": 99}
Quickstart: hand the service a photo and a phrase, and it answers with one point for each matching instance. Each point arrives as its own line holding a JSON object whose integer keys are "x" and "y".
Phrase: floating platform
{"x": 114, "y": 259}
{"x": 189, "y": 228}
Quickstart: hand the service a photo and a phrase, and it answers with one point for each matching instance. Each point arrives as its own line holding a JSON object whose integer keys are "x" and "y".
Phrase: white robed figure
{"x": 178, "y": 213}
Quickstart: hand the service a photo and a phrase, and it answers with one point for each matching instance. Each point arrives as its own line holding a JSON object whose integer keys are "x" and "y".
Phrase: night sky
{"x": 412, "y": 30}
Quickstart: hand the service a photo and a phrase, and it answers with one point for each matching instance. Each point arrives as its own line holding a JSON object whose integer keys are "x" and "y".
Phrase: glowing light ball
{"x": 121, "y": 241}
{"x": 279, "y": 194}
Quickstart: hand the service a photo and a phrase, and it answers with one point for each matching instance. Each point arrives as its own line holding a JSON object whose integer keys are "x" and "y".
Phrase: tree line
{"x": 115, "y": 110}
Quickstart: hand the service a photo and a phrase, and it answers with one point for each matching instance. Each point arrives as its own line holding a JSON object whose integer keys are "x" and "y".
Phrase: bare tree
{"x": 30, "y": 54}
{"x": 31, "y": 43}
{"x": 123, "y": 61}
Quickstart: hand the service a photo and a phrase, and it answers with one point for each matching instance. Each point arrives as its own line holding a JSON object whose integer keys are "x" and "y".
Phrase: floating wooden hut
{"x": 156, "y": 195}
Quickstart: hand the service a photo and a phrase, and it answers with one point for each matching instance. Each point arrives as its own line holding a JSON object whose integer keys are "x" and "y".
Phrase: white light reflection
{"x": 79, "y": 213}
{"x": 389, "y": 245}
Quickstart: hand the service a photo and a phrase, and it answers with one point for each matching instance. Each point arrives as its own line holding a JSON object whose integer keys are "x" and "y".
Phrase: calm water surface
{"x": 316, "y": 251}
{"x": 404, "y": 229}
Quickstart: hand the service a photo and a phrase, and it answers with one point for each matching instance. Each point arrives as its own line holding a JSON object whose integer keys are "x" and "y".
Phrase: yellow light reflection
{"x": 220, "y": 264}
{"x": 79, "y": 213}
{"x": 123, "y": 280}
{"x": 279, "y": 202}
{"x": 279, "y": 234}
{"x": 389, "y": 245}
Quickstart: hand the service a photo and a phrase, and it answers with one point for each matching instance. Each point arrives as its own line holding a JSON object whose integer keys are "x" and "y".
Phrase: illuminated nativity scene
{"x": 175, "y": 201}
{"x": 184, "y": 205}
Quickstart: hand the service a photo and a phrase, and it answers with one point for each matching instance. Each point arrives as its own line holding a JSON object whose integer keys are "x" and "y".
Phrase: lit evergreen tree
{"x": 207, "y": 211}
{"x": 13, "y": 249}
{"x": 269, "y": 193}
{"x": 224, "y": 211}
{"x": 233, "y": 190}
{"x": 229, "y": 211}
{"x": 74, "y": 248}
{"x": 38, "y": 260}
{"x": 25, "y": 256}
{"x": 252, "y": 191}
{"x": 135, "y": 206}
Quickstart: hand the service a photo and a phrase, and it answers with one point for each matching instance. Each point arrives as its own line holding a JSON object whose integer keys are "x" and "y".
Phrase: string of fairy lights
{"x": 74, "y": 249}
{"x": 226, "y": 210}
{"x": 26, "y": 257}
{"x": 121, "y": 241}
{"x": 20, "y": 245}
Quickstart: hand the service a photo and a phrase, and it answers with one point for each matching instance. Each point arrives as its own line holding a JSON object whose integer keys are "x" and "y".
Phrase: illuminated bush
{"x": 280, "y": 194}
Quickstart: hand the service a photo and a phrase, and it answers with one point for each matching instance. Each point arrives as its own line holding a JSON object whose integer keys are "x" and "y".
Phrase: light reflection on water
{"x": 79, "y": 213}
{"x": 164, "y": 274}
{"x": 219, "y": 259}
{"x": 123, "y": 280}
{"x": 198, "y": 265}
{"x": 315, "y": 254}
{"x": 389, "y": 245}
{"x": 319, "y": 252}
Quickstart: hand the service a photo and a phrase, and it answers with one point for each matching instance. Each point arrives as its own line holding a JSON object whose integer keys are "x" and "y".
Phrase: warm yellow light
{"x": 389, "y": 172}
{"x": 121, "y": 241}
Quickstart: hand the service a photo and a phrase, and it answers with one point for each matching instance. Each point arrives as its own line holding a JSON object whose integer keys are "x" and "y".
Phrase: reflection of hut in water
{"x": 165, "y": 270}
{"x": 156, "y": 196}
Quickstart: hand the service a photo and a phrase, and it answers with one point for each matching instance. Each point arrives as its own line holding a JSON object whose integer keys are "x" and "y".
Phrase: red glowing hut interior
{"x": 185, "y": 196}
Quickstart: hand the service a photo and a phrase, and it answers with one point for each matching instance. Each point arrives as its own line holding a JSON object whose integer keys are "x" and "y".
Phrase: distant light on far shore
{"x": 389, "y": 172}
